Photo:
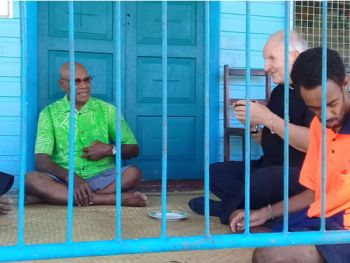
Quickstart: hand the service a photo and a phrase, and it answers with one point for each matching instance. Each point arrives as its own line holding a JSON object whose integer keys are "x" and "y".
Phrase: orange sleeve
{"x": 309, "y": 170}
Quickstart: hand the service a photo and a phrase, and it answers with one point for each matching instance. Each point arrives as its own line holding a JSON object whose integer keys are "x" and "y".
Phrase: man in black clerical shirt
{"x": 266, "y": 187}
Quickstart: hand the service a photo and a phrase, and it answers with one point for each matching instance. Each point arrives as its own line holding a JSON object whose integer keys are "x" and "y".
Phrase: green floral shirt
{"x": 96, "y": 120}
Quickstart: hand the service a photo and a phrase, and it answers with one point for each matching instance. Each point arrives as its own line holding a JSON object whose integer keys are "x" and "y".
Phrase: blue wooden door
{"x": 94, "y": 46}
{"x": 143, "y": 86}
{"x": 94, "y": 27}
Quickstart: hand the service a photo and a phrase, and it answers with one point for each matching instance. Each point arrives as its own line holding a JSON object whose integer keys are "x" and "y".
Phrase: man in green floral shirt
{"x": 94, "y": 169}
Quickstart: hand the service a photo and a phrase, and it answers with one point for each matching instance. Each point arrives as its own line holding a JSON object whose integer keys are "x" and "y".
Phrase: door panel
{"x": 94, "y": 47}
{"x": 185, "y": 86}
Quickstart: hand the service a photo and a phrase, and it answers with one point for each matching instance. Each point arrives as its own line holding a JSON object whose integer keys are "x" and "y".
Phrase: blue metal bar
{"x": 164, "y": 112}
{"x": 118, "y": 76}
{"x": 286, "y": 118}
{"x": 323, "y": 112}
{"x": 24, "y": 100}
{"x": 151, "y": 245}
{"x": 71, "y": 121}
{"x": 247, "y": 123}
{"x": 206, "y": 119}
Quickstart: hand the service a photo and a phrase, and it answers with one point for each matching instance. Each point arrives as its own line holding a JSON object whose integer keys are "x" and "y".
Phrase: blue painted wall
{"x": 10, "y": 92}
{"x": 266, "y": 18}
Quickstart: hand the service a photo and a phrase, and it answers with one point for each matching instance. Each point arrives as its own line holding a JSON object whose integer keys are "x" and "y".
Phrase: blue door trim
{"x": 32, "y": 80}
{"x": 214, "y": 80}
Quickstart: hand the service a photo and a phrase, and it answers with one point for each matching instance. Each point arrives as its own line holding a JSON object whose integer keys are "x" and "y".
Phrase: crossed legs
{"x": 42, "y": 188}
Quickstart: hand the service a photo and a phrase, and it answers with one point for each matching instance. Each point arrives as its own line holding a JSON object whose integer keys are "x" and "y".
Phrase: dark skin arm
{"x": 98, "y": 150}
{"x": 82, "y": 191}
{"x": 260, "y": 216}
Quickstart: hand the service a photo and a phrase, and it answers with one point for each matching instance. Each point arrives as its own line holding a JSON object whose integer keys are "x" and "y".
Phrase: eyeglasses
{"x": 78, "y": 81}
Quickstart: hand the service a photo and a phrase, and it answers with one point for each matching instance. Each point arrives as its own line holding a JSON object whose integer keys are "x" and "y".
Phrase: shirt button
{"x": 332, "y": 151}
{"x": 83, "y": 168}
{"x": 81, "y": 132}
{"x": 334, "y": 139}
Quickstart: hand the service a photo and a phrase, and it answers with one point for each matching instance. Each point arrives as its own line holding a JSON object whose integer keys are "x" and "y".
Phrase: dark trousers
{"x": 6, "y": 181}
{"x": 266, "y": 185}
{"x": 299, "y": 221}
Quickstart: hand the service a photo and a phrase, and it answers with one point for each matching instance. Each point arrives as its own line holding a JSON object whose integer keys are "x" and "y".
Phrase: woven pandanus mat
{"x": 47, "y": 224}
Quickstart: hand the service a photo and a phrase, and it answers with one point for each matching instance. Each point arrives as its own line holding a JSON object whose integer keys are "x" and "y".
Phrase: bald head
{"x": 274, "y": 54}
{"x": 296, "y": 42}
{"x": 64, "y": 69}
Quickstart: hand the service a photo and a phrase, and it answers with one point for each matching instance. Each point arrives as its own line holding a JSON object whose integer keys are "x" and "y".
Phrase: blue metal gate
{"x": 22, "y": 251}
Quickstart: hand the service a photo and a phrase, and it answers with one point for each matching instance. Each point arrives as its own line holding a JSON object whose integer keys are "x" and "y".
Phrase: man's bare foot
{"x": 32, "y": 199}
{"x": 5, "y": 205}
{"x": 134, "y": 199}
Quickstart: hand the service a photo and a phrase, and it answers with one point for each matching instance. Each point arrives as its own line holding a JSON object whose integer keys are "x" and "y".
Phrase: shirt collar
{"x": 65, "y": 105}
{"x": 345, "y": 129}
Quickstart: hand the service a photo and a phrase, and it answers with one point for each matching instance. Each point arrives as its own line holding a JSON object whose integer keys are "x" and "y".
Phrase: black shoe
{"x": 197, "y": 205}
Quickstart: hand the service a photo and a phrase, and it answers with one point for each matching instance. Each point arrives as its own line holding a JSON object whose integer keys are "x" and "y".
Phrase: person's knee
{"x": 33, "y": 181}
{"x": 30, "y": 178}
{"x": 134, "y": 175}
{"x": 214, "y": 171}
{"x": 214, "y": 167}
{"x": 262, "y": 255}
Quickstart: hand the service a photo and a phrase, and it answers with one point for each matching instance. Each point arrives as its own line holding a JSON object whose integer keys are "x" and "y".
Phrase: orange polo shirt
{"x": 337, "y": 170}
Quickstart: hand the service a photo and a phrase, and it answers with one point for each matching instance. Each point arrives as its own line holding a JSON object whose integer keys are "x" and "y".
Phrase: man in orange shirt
{"x": 305, "y": 208}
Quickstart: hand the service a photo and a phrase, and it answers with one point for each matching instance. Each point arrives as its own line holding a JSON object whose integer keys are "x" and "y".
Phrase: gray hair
{"x": 295, "y": 43}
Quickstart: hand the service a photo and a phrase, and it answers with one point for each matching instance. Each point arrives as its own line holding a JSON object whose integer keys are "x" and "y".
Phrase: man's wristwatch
{"x": 258, "y": 128}
{"x": 114, "y": 150}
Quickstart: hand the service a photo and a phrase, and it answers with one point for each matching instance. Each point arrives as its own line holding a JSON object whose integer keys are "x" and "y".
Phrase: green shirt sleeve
{"x": 45, "y": 133}
{"x": 127, "y": 137}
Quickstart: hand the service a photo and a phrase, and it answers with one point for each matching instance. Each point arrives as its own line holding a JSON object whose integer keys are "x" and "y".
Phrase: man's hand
{"x": 82, "y": 192}
{"x": 96, "y": 151}
{"x": 257, "y": 218}
{"x": 258, "y": 112}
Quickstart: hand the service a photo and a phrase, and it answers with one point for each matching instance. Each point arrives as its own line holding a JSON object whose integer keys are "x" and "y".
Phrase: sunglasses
{"x": 78, "y": 81}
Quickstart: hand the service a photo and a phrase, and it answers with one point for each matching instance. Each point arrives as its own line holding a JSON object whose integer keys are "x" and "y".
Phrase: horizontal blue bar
{"x": 152, "y": 245}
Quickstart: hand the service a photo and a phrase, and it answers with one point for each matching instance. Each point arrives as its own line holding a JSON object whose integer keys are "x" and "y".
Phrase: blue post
{"x": 164, "y": 112}
{"x": 71, "y": 122}
{"x": 247, "y": 123}
{"x": 206, "y": 120}
{"x": 286, "y": 118}
{"x": 24, "y": 101}
{"x": 323, "y": 112}
{"x": 118, "y": 75}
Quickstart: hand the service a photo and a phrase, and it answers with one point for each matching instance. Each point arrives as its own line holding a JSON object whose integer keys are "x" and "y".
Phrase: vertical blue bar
{"x": 286, "y": 118}
{"x": 164, "y": 112}
{"x": 118, "y": 76}
{"x": 323, "y": 112}
{"x": 71, "y": 121}
{"x": 206, "y": 119}
{"x": 247, "y": 122}
{"x": 23, "y": 155}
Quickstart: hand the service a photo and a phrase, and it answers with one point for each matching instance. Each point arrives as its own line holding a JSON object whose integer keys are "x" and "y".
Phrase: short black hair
{"x": 307, "y": 69}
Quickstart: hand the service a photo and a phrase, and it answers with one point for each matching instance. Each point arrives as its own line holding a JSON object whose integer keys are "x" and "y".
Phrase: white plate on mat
{"x": 171, "y": 215}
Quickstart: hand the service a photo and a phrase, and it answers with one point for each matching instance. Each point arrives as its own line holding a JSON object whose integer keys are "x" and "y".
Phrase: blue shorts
{"x": 98, "y": 181}
{"x": 299, "y": 221}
